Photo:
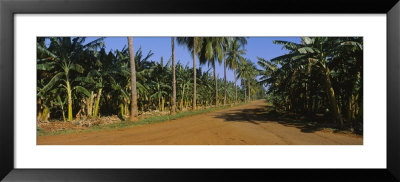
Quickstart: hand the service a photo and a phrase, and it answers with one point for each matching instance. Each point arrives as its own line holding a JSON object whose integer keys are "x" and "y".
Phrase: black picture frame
{"x": 8, "y": 8}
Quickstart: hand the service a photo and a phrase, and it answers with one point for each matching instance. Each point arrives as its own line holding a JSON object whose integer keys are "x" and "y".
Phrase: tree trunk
{"x": 194, "y": 72}
{"x": 307, "y": 98}
{"x": 245, "y": 92}
{"x": 182, "y": 96}
{"x": 89, "y": 105}
{"x": 134, "y": 108}
{"x": 126, "y": 106}
{"x": 63, "y": 114}
{"x": 313, "y": 106}
{"x": 162, "y": 103}
{"x": 349, "y": 108}
{"x": 353, "y": 107}
{"x": 248, "y": 86}
{"x": 159, "y": 103}
{"x": 216, "y": 86}
{"x": 173, "y": 101}
{"x": 224, "y": 81}
{"x": 121, "y": 107}
{"x": 331, "y": 97}
{"x": 69, "y": 101}
{"x": 359, "y": 117}
{"x": 39, "y": 109}
{"x": 96, "y": 108}
{"x": 234, "y": 74}
{"x": 45, "y": 114}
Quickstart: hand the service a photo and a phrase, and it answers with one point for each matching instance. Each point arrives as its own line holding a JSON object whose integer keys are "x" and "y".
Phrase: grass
{"x": 127, "y": 124}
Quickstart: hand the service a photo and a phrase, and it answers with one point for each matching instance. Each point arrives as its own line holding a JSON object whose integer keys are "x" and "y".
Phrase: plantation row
{"x": 320, "y": 75}
{"x": 81, "y": 80}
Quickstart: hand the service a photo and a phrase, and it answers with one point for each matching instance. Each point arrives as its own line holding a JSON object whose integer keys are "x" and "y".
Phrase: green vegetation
{"x": 320, "y": 75}
{"x": 78, "y": 80}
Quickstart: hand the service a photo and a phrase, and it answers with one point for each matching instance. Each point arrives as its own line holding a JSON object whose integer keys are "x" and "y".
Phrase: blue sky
{"x": 161, "y": 47}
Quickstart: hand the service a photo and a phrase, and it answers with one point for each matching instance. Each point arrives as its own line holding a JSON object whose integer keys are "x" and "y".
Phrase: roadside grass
{"x": 128, "y": 124}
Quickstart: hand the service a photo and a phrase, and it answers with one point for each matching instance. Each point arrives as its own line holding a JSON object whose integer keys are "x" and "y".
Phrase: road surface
{"x": 241, "y": 125}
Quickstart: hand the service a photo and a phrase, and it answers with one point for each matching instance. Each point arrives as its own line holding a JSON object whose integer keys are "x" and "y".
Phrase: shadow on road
{"x": 268, "y": 114}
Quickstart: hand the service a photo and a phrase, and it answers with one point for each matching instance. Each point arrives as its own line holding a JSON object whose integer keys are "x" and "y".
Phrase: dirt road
{"x": 241, "y": 125}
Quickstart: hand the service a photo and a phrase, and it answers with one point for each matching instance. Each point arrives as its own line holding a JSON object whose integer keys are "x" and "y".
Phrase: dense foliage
{"x": 78, "y": 80}
{"x": 320, "y": 75}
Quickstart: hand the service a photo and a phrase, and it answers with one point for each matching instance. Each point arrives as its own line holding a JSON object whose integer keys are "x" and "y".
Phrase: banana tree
{"x": 161, "y": 90}
{"x": 161, "y": 76}
{"x": 194, "y": 45}
{"x": 346, "y": 65}
{"x": 184, "y": 80}
{"x": 62, "y": 57}
{"x": 316, "y": 52}
{"x": 94, "y": 81}
{"x": 205, "y": 82}
{"x": 143, "y": 68}
{"x": 44, "y": 101}
{"x": 60, "y": 103}
{"x": 122, "y": 97}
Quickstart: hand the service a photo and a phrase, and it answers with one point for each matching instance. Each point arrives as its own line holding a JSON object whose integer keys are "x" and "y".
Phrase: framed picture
{"x": 303, "y": 73}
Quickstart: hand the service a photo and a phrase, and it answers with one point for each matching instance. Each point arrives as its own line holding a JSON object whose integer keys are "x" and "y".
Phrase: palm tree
{"x": 134, "y": 108}
{"x": 235, "y": 56}
{"x": 251, "y": 72}
{"x": 212, "y": 51}
{"x": 225, "y": 44}
{"x": 173, "y": 100}
{"x": 247, "y": 72}
{"x": 144, "y": 70}
{"x": 193, "y": 44}
{"x": 117, "y": 80}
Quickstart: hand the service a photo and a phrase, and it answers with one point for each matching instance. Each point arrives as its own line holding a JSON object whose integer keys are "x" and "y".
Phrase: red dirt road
{"x": 241, "y": 125}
